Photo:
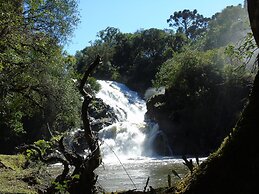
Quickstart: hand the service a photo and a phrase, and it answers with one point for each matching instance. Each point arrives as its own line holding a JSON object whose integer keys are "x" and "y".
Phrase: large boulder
{"x": 101, "y": 114}
{"x": 180, "y": 141}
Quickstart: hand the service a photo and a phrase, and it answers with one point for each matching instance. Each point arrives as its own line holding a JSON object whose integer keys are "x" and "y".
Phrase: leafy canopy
{"x": 191, "y": 23}
{"x": 35, "y": 75}
{"x": 228, "y": 26}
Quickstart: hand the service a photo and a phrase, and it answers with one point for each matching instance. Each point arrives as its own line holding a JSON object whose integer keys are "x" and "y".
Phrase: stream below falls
{"x": 113, "y": 177}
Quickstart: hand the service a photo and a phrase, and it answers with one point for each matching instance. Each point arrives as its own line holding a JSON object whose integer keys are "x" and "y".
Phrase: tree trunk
{"x": 86, "y": 167}
{"x": 234, "y": 167}
{"x": 253, "y": 10}
{"x": 83, "y": 167}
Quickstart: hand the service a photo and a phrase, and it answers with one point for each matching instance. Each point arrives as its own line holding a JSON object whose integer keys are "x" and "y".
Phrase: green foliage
{"x": 228, "y": 26}
{"x": 15, "y": 123}
{"x": 55, "y": 18}
{"x": 190, "y": 23}
{"x": 63, "y": 186}
{"x": 36, "y": 84}
{"x": 134, "y": 59}
{"x": 204, "y": 96}
{"x": 131, "y": 58}
{"x": 44, "y": 146}
{"x": 207, "y": 84}
{"x": 243, "y": 52}
{"x": 186, "y": 69}
{"x": 31, "y": 155}
{"x": 95, "y": 86}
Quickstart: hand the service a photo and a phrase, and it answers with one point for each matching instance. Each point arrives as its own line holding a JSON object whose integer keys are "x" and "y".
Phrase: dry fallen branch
{"x": 83, "y": 167}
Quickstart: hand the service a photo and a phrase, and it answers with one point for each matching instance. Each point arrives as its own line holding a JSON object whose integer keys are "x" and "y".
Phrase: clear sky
{"x": 132, "y": 15}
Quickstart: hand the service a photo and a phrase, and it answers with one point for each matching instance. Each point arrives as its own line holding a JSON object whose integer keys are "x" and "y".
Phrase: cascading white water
{"x": 130, "y": 138}
{"x": 125, "y": 137}
{"x": 126, "y": 103}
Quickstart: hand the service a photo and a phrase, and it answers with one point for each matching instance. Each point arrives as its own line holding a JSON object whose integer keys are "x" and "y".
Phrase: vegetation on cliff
{"x": 234, "y": 166}
{"x": 204, "y": 95}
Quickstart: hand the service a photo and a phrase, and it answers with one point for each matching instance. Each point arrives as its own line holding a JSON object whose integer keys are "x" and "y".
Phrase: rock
{"x": 161, "y": 109}
{"x": 187, "y": 131}
{"x": 101, "y": 114}
{"x": 160, "y": 145}
{"x": 155, "y": 106}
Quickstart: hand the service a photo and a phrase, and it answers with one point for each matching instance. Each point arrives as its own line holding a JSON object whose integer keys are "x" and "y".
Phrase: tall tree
{"x": 191, "y": 23}
{"x": 35, "y": 76}
{"x": 126, "y": 56}
{"x": 234, "y": 167}
{"x": 228, "y": 26}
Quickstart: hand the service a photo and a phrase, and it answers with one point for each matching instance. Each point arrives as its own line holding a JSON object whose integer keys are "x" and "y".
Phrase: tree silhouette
{"x": 191, "y": 23}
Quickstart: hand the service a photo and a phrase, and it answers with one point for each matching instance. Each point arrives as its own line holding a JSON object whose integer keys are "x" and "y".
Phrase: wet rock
{"x": 155, "y": 107}
{"x": 160, "y": 145}
{"x": 101, "y": 114}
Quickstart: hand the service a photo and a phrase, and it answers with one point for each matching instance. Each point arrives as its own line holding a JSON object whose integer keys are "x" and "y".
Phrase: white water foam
{"x": 123, "y": 139}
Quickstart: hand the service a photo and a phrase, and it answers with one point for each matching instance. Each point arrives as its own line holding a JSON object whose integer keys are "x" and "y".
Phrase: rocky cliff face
{"x": 159, "y": 111}
{"x": 188, "y": 131}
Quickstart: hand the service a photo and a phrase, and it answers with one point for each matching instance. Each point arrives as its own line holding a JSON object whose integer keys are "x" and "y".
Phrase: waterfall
{"x": 126, "y": 103}
{"x": 126, "y": 136}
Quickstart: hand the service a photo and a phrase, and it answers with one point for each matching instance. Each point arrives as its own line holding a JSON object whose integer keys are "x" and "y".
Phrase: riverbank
{"x": 14, "y": 178}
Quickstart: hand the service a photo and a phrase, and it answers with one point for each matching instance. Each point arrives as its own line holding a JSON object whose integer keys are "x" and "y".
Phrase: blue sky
{"x": 132, "y": 15}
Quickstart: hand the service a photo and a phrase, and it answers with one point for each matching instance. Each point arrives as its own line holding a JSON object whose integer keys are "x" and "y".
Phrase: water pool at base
{"x": 113, "y": 177}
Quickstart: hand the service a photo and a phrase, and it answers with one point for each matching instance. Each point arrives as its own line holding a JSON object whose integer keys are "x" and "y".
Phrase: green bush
{"x": 204, "y": 96}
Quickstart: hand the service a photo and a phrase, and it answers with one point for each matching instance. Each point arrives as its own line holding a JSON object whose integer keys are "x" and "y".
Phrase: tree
{"x": 203, "y": 96}
{"x": 191, "y": 23}
{"x": 238, "y": 155}
{"x": 126, "y": 56}
{"x": 228, "y": 26}
{"x": 104, "y": 45}
{"x": 150, "y": 48}
{"x": 82, "y": 179}
{"x": 35, "y": 75}
{"x": 108, "y": 35}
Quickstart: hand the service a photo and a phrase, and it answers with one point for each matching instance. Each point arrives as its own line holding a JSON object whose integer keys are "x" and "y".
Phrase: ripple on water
{"x": 112, "y": 177}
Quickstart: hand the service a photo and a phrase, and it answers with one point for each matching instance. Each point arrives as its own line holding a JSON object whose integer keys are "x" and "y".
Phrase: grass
{"x": 16, "y": 179}
{"x": 14, "y": 162}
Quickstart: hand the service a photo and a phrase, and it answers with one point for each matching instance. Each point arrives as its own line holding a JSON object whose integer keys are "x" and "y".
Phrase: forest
{"x": 196, "y": 77}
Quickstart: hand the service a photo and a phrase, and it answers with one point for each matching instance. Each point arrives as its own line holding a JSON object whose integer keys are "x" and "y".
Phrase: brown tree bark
{"x": 85, "y": 167}
{"x": 87, "y": 99}
{"x": 82, "y": 167}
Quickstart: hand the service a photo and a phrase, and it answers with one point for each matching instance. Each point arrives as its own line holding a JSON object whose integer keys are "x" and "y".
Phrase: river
{"x": 128, "y": 160}
{"x": 113, "y": 177}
